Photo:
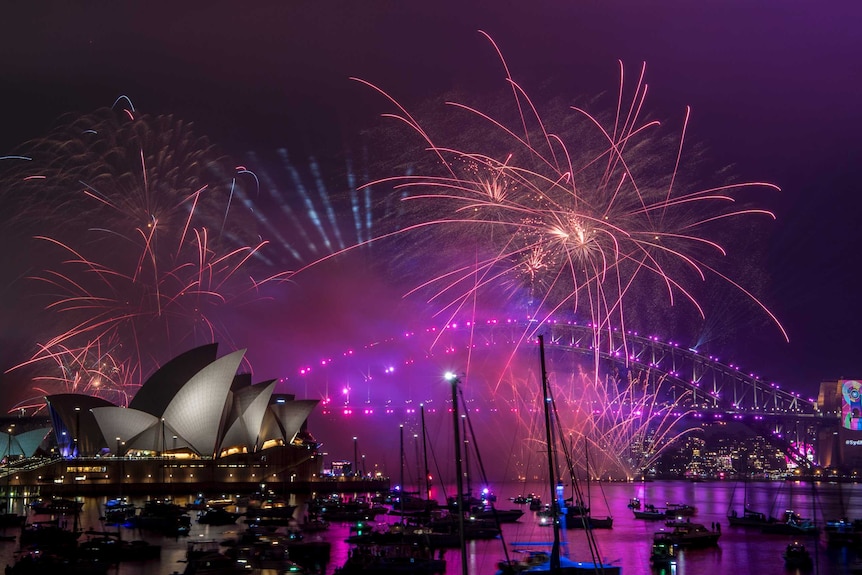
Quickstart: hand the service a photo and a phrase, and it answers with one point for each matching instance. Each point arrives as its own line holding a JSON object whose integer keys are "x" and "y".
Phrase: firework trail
{"x": 151, "y": 239}
{"x": 595, "y": 221}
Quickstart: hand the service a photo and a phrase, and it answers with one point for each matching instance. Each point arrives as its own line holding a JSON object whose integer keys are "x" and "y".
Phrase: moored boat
{"x": 796, "y": 556}
{"x": 391, "y": 560}
{"x": 689, "y": 535}
{"x": 56, "y": 506}
{"x": 749, "y": 518}
{"x": 499, "y": 515}
{"x": 650, "y": 513}
{"x": 108, "y": 547}
{"x": 792, "y": 524}
{"x": 217, "y": 516}
{"x": 538, "y": 562}
{"x": 680, "y": 510}
{"x": 163, "y": 516}
{"x": 119, "y": 510}
{"x": 47, "y": 533}
{"x": 663, "y": 550}
{"x": 843, "y": 533}
{"x": 589, "y": 522}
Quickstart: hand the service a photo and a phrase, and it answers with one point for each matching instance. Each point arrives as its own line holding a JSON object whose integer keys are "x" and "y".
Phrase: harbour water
{"x": 740, "y": 550}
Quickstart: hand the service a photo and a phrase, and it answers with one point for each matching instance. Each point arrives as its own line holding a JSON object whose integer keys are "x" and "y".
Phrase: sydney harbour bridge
{"x": 708, "y": 389}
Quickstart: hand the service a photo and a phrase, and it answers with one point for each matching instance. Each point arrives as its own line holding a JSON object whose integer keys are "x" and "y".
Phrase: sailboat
{"x": 749, "y": 517}
{"x": 540, "y": 562}
{"x": 580, "y": 516}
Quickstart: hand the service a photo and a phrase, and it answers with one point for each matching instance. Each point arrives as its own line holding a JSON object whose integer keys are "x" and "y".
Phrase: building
{"x": 195, "y": 420}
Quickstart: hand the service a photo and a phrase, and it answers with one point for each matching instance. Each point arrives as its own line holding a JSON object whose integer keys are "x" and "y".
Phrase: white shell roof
{"x": 248, "y": 409}
{"x": 128, "y": 424}
{"x": 24, "y": 444}
{"x": 155, "y": 394}
{"x": 292, "y": 414}
{"x": 196, "y": 411}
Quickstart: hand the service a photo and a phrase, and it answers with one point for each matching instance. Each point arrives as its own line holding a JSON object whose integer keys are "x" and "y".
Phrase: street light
{"x": 77, "y": 430}
{"x": 355, "y": 458}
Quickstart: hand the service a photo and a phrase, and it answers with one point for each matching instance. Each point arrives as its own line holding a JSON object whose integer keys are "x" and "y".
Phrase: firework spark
{"x": 151, "y": 245}
{"x": 585, "y": 220}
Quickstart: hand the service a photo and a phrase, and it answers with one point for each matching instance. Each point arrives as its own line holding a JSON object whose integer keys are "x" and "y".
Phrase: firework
{"x": 593, "y": 220}
{"x": 151, "y": 243}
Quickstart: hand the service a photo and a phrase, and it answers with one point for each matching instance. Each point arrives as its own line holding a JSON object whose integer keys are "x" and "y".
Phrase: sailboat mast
{"x": 467, "y": 473}
{"x": 555, "y": 550}
{"x": 425, "y": 454}
{"x": 459, "y": 479}
{"x": 401, "y": 479}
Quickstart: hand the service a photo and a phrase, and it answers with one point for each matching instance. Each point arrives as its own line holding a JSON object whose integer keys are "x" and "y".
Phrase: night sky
{"x": 774, "y": 90}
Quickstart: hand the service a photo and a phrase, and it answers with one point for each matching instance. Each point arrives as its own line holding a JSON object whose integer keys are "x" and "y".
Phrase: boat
{"x": 680, "y": 510}
{"x": 589, "y": 522}
{"x": 796, "y": 556}
{"x": 579, "y": 515}
{"x": 108, "y": 547}
{"x": 400, "y": 534}
{"x": 163, "y": 516}
{"x": 119, "y": 510}
{"x": 843, "y": 533}
{"x": 213, "y": 563}
{"x": 336, "y": 509}
{"x": 663, "y": 549}
{"x": 498, "y": 515}
{"x": 273, "y": 509}
{"x": 688, "y": 535}
{"x": 538, "y": 562}
{"x": 792, "y": 524}
{"x": 35, "y": 561}
{"x": 524, "y": 499}
{"x": 446, "y": 522}
{"x": 650, "y": 513}
{"x": 47, "y": 533}
{"x": 56, "y": 506}
{"x": 749, "y": 518}
{"x": 391, "y": 559}
{"x": 217, "y": 516}
{"x": 256, "y": 547}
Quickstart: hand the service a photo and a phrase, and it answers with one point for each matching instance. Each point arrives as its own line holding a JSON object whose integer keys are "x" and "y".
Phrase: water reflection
{"x": 627, "y": 544}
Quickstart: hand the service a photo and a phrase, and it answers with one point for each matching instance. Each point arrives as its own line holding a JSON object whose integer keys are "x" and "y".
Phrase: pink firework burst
{"x": 151, "y": 248}
{"x": 589, "y": 217}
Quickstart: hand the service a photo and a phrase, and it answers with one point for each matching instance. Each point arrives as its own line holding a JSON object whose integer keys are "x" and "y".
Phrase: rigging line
{"x": 592, "y": 542}
{"x": 482, "y": 473}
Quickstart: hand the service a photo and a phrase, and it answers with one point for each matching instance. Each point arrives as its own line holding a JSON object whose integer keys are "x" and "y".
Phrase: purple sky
{"x": 773, "y": 89}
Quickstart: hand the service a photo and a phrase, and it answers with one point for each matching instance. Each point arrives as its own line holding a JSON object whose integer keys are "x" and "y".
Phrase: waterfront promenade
{"x": 287, "y": 470}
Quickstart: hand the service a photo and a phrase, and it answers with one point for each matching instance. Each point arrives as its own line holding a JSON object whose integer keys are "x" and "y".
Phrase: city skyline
{"x": 757, "y": 104}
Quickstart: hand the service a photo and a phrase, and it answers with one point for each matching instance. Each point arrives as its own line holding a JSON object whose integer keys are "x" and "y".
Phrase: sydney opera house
{"x": 194, "y": 421}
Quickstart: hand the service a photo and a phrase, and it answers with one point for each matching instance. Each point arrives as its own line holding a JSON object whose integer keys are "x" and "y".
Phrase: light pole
{"x": 355, "y": 457}
{"x": 8, "y": 470}
{"x": 77, "y": 430}
{"x": 121, "y": 467}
